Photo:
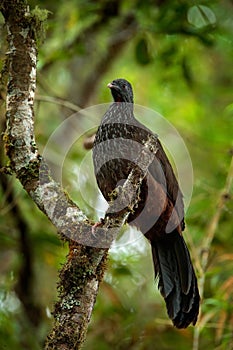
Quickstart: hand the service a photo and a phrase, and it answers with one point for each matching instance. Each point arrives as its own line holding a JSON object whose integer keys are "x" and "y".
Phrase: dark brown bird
{"x": 160, "y": 212}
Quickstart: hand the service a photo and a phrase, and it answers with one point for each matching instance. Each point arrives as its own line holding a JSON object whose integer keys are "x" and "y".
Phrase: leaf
{"x": 201, "y": 16}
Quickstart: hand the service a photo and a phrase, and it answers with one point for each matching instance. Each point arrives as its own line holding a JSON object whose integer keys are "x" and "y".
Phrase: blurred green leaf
{"x": 200, "y": 16}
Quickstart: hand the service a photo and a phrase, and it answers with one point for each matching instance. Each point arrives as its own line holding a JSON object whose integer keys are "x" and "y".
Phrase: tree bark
{"x": 81, "y": 274}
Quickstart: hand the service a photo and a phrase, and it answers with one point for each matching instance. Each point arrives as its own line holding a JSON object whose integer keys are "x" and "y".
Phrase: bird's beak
{"x": 110, "y": 85}
{"x": 113, "y": 86}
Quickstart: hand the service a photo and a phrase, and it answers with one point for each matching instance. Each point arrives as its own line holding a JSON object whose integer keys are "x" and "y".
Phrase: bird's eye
{"x": 124, "y": 86}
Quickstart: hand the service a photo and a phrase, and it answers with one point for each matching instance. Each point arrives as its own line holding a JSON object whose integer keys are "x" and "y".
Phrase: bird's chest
{"x": 116, "y": 149}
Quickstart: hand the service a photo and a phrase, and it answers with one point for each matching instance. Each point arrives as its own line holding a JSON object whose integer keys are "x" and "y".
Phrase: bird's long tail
{"x": 177, "y": 280}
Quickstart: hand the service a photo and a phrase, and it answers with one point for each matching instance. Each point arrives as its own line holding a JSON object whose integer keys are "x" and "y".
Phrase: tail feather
{"x": 177, "y": 280}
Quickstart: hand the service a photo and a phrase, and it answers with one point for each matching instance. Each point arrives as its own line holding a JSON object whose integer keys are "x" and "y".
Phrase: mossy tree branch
{"x": 85, "y": 265}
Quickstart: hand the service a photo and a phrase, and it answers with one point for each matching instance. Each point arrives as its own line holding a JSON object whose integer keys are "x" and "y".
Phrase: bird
{"x": 159, "y": 213}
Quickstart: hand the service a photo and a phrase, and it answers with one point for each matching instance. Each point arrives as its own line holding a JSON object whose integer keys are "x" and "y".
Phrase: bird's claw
{"x": 97, "y": 224}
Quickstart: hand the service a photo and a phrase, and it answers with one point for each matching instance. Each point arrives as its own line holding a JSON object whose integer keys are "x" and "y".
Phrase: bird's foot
{"x": 97, "y": 224}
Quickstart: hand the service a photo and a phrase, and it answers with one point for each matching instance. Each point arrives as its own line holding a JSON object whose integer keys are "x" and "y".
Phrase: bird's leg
{"x": 97, "y": 224}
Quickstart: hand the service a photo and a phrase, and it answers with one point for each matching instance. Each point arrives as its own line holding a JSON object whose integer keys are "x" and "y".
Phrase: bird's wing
{"x": 162, "y": 172}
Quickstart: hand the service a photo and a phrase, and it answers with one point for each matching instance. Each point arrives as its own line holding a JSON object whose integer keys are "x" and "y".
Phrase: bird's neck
{"x": 119, "y": 112}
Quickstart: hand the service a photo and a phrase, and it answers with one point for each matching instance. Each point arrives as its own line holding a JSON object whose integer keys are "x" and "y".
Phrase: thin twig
{"x": 210, "y": 233}
{"x": 58, "y": 101}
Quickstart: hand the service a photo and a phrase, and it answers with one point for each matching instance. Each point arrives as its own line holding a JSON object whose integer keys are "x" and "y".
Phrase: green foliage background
{"x": 178, "y": 56}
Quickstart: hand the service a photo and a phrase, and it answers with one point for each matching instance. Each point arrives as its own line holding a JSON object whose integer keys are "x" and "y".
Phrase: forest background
{"x": 178, "y": 57}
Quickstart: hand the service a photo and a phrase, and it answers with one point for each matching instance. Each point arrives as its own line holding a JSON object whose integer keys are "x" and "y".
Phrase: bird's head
{"x": 121, "y": 90}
